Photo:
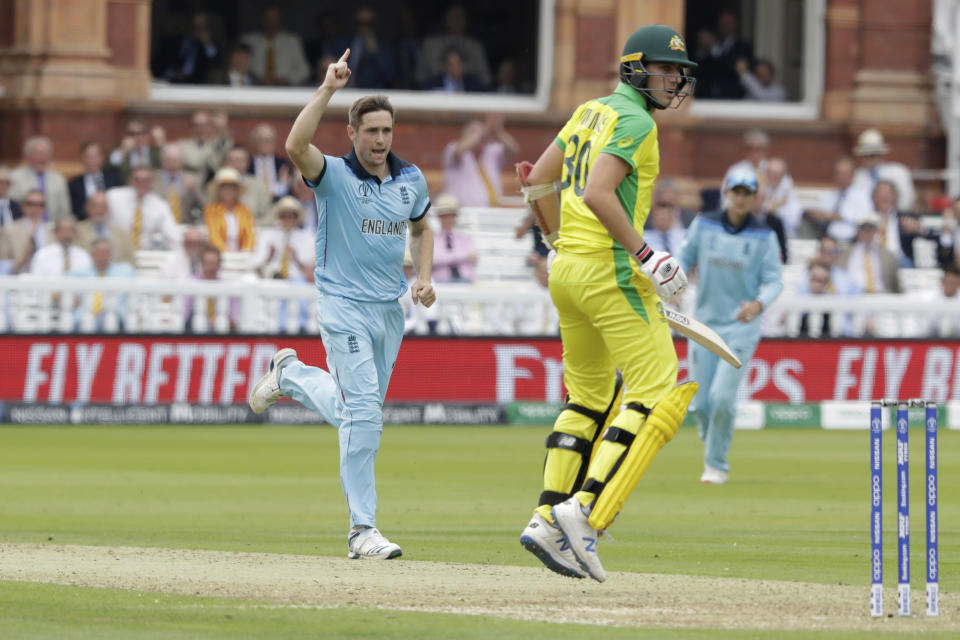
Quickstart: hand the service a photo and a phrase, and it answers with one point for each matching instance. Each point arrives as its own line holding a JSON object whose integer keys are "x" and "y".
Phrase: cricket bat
{"x": 701, "y": 334}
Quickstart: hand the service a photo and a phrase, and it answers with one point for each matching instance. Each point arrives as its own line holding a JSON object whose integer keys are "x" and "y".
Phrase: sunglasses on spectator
{"x": 34, "y": 203}
{"x": 288, "y": 214}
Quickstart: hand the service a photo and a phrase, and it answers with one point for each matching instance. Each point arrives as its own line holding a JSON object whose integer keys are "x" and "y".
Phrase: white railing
{"x": 149, "y": 305}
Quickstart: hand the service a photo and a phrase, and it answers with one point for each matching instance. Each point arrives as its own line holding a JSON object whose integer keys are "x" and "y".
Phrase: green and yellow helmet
{"x": 656, "y": 43}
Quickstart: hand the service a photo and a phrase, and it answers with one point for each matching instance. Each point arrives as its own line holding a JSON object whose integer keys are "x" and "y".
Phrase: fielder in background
{"x": 366, "y": 200}
{"x": 738, "y": 261}
{"x": 607, "y": 286}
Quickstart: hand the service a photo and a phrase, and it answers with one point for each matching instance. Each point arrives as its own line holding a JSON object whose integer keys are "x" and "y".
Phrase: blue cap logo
{"x": 742, "y": 178}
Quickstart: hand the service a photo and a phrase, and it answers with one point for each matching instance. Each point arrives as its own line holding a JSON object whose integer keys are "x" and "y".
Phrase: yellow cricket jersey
{"x": 619, "y": 124}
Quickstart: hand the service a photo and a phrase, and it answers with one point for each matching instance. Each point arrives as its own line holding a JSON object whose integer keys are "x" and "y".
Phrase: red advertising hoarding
{"x": 201, "y": 370}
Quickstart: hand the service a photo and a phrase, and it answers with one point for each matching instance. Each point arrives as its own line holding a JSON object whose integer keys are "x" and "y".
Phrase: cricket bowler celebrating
{"x": 366, "y": 200}
{"x": 738, "y": 258}
{"x": 607, "y": 285}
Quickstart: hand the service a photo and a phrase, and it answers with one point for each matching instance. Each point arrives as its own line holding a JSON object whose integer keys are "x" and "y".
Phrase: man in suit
{"x": 139, "y": 148}
{"x": 237, "y": 72}
{"x": 96, "y": 226}
{"x": 277, "y": 55}
{"x": 143, "y": 213}
{"x": 181, "y": 188}
{"x": 270, "y": 169}
{"x": 454, "y": 78}
{"x": 9, "y": 208}
{"x": 204, "y": 152}
{"x": 872, "y": 267}
{"x": 94, "y": 178}
{"x": 35, "y": 173}
{"x": 21, "y": 238}
{"x": 63, "y": 256}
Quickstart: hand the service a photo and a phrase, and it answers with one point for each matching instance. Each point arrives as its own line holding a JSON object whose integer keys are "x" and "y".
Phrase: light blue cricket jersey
{"x": 735, "y": 265}
{"x": 362, "y": 226}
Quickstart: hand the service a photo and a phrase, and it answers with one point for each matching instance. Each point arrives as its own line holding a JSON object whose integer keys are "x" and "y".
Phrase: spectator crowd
{"x": 393, "y": 56}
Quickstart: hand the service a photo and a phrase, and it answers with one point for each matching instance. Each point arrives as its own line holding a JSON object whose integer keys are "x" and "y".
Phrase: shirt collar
{"x": 631, "y": 94}
{"x": 393, "y": 162}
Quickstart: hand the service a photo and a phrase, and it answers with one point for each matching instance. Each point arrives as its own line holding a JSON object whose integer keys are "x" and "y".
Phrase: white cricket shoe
{"x": 713, "y": 476}
{"x": 546, "y": 541}
{"x": 368, "y": 542}
{"x": 580, "y": 536}
{"x": 267, "y": 389}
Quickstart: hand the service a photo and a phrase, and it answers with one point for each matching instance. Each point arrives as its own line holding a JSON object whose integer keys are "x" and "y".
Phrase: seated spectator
{"x": 828, "y": 253}
{"x": 184, "y": 261}
{"x": 872, "y": 266}
{"x": 899, "y": 229}
{"x": 730, "y": 47}
{"x": 373, "y": 60}
{"x": 142, "y": 213}
{"x": 9, "y": 208}
{"x": 408, "y": 48}
{"x": 872, "y": 150}
{"x": 201, "y": 318}
{"x": 287, "y": 251}
{"x": 508, "y": 80}
{"x": 93, "y": 179}
{"x": 473, "y": 55}
{"x": 757, "y": 147}
{"x": 205, "y": 151}
{"x": 197, "y": 54}
{"x": 237, "y": 72}
{"x": 179, "y": 187}
{"x": 453, "y": 79}
{"x": 20, "y": 239}
{"x": 839, "y": 210}
{"x": 818, "y": 283}
{"x": 759, "y": 84}
{"x": 96, "y": 226}
{"x": 272, "y": 170}
{"x": 139, "y": 148}
{"x": 472, "y": 165}
{"x": 229, "y": 222}
{"x": 665, "y": 232}
{"x": 666, "y": 194}
{"x": 454, "y": 252}
{"x": 254, "y": 193}
{"x": 702, "y": 54}
{"x": 63, "y": 256}
{"x": 103, "y": 266}
{"x": 884, "y": 199}
{"x": 277, "y": 56}
{"x": 35, "y": 173}
{"x": 780, "y": 196}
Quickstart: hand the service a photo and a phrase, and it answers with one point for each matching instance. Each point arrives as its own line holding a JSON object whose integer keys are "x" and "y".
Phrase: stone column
{"x": 67, "y": 69}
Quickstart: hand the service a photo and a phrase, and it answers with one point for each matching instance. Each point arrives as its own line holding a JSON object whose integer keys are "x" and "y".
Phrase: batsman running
{"x": 607, "y": 285}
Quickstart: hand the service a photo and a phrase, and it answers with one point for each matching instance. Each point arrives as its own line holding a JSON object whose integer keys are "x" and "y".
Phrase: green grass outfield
{"x": 796, "y": 509}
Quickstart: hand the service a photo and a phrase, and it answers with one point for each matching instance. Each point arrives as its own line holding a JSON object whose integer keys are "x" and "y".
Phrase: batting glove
{"x": 663, "y": 270}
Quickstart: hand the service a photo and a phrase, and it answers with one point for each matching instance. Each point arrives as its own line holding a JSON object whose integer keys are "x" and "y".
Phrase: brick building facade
{"x": 78, "y": 69}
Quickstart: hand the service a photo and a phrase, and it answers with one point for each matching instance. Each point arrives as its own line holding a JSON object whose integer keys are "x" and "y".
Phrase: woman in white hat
{"x": 229, "y": 222}
{"x": 285, "y": 252}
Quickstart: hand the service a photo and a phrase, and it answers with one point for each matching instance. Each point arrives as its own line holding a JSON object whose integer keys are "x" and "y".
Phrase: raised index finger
{"x": 346, "y": 54}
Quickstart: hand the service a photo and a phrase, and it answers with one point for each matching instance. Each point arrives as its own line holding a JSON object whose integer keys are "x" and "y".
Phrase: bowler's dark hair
{"x": 367, "y": 105}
